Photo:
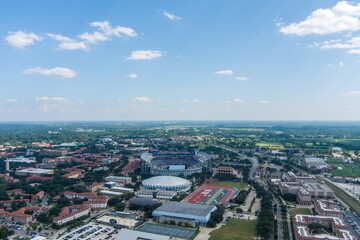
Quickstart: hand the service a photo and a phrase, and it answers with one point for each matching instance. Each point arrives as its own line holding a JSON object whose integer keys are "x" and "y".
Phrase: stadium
{"x": 175, "y": 163}
{"x": 168, "y": 183}
{"x": 210, "y": 195}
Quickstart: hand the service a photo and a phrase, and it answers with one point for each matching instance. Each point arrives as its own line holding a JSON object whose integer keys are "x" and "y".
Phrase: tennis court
{"x": 177, "y": 232}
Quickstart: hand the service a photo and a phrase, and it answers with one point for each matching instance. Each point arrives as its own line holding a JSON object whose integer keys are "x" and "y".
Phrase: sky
{"x": 179, "y": 60}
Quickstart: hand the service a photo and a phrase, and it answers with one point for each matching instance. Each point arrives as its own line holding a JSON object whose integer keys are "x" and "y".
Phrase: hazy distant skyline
{"x": 185, "y": 60}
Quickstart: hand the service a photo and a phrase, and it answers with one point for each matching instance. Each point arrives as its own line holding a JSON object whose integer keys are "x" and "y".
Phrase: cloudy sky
{"x": 180, "y": 60}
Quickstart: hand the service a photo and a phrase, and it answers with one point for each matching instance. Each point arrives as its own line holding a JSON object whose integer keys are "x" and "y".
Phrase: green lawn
{"x": 334, "y": 160}
{"x": 230, "y": 184}
{"x": 235, "y": 229}
{"x": 348, "y": 170}
{"x": 304, "y": 211}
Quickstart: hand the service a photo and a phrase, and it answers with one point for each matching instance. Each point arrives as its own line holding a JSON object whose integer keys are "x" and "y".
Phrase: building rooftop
{"x": 35, "y": 171}
{"x": 186, "y": 208}
{"x": 166, "y": 181}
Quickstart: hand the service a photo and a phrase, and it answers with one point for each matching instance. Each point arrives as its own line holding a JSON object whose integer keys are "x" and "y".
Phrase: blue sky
{"x": 179, "y": 60}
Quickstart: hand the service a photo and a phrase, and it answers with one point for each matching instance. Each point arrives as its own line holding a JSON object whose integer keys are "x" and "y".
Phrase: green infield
{"x": 235, "y": 229}
{"x": 347, "y": 170}
{"x": 230, "y": 184}
{"x": 304, "y": 211}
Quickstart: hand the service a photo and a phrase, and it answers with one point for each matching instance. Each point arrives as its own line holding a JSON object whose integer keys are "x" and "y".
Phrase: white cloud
{"x": 278, "y": 21}
{"x": 67, "y": 43}
{"x": 141, "y": 99}
{"x": 171, "y": 16}
{"x": 224, "y": 72}
{"x": 57, "y": 72}
{"x": 50, "y": 99}
{"x": 235, "y": 100}
{"x": 341, "y": 64}
{"x": 197, "y": 101}
{"x": 264, "y": 101}
{"x": 132, "y": 75}
{"x": 242, "y": 78}
{"x": 105, "y": 32}
{"x": 93, "y": 37}
{"x": 193, "y": 101}
{"x": 344, "y": 16}
{"x": 118, "y": 31}
{"x": 353, "y": 93}
{"x": 355, "y": 51}
{"x": 11, "y": 100}
{"x": 144, "y": 55}
{"x": 352, "y": 45}
{"x": 21, "y": 39}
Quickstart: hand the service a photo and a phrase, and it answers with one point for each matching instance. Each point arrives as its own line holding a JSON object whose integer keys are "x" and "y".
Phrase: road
{"x": 279, "y": 219}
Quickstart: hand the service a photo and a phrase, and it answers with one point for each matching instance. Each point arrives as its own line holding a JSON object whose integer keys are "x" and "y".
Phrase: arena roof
{"x": 198, "y": 212}
{"x": 166, "y": 181}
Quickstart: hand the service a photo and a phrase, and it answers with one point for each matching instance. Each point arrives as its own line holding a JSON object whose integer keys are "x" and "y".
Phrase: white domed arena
{"x": 168, "y": 183}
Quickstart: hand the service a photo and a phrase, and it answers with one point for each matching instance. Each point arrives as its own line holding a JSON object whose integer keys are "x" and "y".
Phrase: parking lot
{"x": 91, "y": 231}
{"x": 353, "y": 221}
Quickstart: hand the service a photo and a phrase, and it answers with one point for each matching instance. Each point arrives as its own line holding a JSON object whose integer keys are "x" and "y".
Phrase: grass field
{"x": 335, "y": 160}
{"x": 304, "y": 211}
{"x": 235, "y": 229}
{"x": 230, "y": 184}
{"x": 348, "y": 170}
{"x": 269, "y": 145}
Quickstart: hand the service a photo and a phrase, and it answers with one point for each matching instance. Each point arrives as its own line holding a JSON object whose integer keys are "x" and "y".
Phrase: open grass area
{"x": 230, "y": 184}
{"x": 270, "y": 145}
{"x": 304, "y": 211}
{"x": 235, "y": 229}
{"x": 348, "y": 170}
{"x": 334, "y": 160}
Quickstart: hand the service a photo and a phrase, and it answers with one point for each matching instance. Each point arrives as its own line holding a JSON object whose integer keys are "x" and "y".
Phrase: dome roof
{"x": 166, "y": 181}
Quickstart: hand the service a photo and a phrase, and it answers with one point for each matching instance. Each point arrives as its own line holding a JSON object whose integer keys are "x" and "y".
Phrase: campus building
{"x": 327, "y": 208}
{"x": 338, "y": 226}
{"x": 71, "y": 213}
{"x": 304, "y": 187}
{"x": 34, "y": 171}
{"x": 225, "y": 171}
{"x": 155, "y": 194}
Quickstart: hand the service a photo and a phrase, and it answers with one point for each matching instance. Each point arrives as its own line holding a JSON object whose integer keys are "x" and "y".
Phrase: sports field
{"x": 230, "y": 184}
{"x": 334, "y": 160}
{"x": 171, "y": 231}
{"x": 236, "y": 229}
{"x": 347, "y": 170}
{"x": 209, "y": 195}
